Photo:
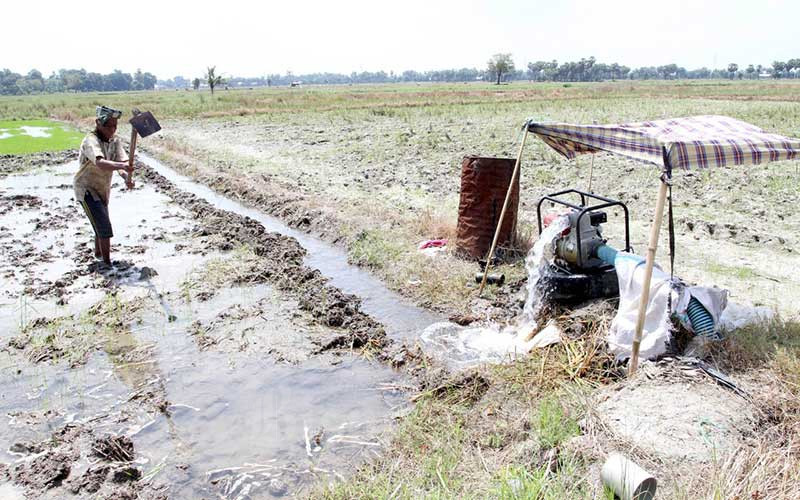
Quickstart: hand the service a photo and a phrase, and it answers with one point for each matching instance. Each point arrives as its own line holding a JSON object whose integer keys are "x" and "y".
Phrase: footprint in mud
{"x": 123, "y": 271}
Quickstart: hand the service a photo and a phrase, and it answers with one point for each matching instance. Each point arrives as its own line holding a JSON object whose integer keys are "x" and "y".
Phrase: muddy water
{"x": 400, "y": 318}
{"x": 204, "y": 422}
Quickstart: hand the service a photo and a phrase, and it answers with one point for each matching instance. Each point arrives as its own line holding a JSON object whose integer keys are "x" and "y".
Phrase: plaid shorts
{"x": 97, "y": 211}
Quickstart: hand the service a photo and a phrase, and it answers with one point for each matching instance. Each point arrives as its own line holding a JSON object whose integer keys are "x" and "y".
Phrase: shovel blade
{"x": 145, "y": 124}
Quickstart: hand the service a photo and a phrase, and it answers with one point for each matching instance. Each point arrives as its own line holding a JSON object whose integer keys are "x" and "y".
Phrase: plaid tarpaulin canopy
{"x": 687, "y": 143}
{"x": 691, "y": 142}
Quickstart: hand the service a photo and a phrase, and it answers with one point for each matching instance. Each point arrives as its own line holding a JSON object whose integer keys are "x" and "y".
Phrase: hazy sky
{"x": 248, "y": 38}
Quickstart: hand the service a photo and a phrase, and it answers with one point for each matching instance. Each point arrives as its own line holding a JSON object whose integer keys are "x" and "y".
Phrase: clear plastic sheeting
{"x": 737, "y": 316}
{"x": 463, "y": 347}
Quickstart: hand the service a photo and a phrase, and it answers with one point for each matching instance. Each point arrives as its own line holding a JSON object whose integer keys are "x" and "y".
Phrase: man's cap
{"x": 104, "y": 113}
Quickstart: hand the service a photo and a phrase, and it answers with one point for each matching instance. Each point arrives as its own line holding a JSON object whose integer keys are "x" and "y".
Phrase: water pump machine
{"x": 583, "y": 264}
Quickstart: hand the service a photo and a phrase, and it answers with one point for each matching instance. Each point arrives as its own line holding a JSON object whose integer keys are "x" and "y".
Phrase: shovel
{"x": 142, "y": 124}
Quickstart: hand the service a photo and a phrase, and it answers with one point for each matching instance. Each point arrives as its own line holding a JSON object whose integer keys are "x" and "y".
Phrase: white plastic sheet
{"x": 737, "y": 316}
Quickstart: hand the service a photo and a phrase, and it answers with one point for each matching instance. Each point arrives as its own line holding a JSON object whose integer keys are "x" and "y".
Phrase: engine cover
{"x": 591, "y": 237}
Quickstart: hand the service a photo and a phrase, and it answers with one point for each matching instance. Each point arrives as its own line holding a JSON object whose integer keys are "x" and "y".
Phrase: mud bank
{"x": 78, "y": 461}
{"x": 281, "y": 264}
{"x": 18, "y": 163}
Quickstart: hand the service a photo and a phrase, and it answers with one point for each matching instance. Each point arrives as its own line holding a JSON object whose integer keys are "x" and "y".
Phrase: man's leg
{"x": 105, "y": 249}
{"x": 97, "y": 211}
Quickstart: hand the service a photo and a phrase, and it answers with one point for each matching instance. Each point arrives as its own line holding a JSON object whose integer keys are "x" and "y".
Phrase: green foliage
{"x": 499, "y": 65}
{"x": 553, "y": 424}
{"x": 143, "y": 81}
{"x": 15, "y": 140}
{"x": 761, "y": 343}
{"x": 374, "y": 249}
{"x": 73, "y": 80}
{"x": 740, "y": 272}
{"x": 520, "y": 483}
{"x": 433, "y": 438}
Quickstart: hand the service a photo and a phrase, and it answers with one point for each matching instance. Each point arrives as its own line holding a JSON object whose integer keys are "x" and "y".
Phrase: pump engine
{"x": 583, "y": 267}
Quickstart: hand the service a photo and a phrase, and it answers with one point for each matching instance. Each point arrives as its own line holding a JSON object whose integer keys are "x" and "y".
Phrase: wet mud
{"x": 280, "y": 263}
{"x": 18, "y": 163}
{"x": 76, "y": 460}
{"x": 209, "y": 361}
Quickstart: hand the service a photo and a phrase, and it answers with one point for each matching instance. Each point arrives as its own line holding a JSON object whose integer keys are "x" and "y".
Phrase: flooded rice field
{"x": 220, "y": 357}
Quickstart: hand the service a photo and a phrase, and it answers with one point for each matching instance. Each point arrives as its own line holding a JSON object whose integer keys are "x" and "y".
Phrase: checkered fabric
{"x": 691, "y": 142}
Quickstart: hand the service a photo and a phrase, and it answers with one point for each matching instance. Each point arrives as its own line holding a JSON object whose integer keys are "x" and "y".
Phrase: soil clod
{"x": 114, "y": 448}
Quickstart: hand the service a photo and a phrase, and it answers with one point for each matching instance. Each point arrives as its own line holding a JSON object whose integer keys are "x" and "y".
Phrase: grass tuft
{"x": 553, "y": 423}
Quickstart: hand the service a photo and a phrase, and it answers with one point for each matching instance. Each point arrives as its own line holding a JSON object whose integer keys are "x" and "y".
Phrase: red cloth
{"x": 432, "y": 244}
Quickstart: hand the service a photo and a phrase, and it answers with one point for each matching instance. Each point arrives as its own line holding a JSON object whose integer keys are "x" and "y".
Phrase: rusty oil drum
{"x": 484, "y": 183}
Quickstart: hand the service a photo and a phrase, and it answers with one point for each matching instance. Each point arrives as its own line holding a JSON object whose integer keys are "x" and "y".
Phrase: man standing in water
{"x": 101, "y": 154}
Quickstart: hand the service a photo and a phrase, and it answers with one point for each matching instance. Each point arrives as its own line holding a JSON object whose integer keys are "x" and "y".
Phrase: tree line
{"x": 325, "y": 78}
{"x": 73, "y": 80}
{"x": 589, "y": 70}
{"x": 500, "y": 68}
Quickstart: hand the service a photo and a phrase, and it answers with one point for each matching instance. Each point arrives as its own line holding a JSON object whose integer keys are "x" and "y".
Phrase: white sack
{"x": 657, "y": 324}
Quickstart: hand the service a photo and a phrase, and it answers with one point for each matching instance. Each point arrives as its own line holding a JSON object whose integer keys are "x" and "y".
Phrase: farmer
{"x": 100, "y": 155}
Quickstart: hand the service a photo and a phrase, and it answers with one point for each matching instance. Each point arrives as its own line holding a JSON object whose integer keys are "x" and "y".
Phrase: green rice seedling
{"x": 33, "y": 136}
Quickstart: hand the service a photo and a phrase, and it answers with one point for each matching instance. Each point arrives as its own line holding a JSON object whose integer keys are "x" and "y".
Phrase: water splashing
{"x": 538, "y": 258}
{"x": 462, "y": 347}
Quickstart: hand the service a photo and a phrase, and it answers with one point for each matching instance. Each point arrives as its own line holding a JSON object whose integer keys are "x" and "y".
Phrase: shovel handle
{"x": 134, "y": 135}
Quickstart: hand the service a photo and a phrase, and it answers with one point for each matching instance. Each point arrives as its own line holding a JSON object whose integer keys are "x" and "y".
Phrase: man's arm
{"x": 111, "y": 166}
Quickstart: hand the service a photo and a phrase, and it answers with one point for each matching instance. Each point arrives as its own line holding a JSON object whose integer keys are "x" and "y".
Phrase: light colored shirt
{"x": 89, "y": 176}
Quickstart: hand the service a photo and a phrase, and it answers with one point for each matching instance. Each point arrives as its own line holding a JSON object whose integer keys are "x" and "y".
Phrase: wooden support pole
{"x": 503, "y": 212}
{"x": 591, "y": 171}
{"x": 648, "y": 275}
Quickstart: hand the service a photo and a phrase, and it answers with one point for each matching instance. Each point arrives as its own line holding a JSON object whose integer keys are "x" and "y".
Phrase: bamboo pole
{"x": 648, "y": 275}
{"x": 503, "y": 212}
{"x": 591, "y": 171}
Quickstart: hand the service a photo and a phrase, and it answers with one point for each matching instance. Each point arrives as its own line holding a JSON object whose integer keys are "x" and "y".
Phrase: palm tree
{"x": 213, "y": 79}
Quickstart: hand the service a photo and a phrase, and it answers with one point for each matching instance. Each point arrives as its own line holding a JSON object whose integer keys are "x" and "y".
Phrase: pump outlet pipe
{"x": 702, "y": 321}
